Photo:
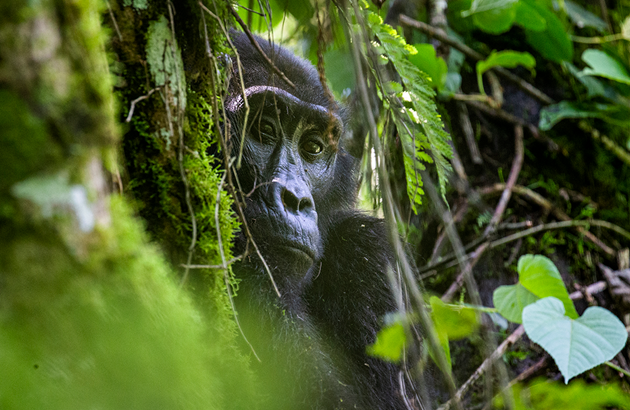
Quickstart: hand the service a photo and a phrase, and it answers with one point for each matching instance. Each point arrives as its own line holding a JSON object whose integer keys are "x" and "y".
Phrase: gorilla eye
{"x": 313, "y": 147}
{"x": 266, "y": 127}
{"x": 265, "y": 131}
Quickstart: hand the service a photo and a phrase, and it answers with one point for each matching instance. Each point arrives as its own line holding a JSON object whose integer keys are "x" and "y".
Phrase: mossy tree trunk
{"x": 92, "y": 311}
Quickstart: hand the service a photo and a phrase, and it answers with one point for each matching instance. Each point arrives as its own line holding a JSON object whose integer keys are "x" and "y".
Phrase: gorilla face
{"x": 289, "y": 157}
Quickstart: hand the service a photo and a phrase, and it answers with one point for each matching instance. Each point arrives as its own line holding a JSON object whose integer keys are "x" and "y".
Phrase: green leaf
{"x": 612, "y": 113}
{"x": 528, "y": 18}
{"x": 594, "y": 87}
{"x": 554, "y": 43}
{"x": 413, "y": 112}
{"x": 539, "y": 275}
{"x": 576, "y": 345}
{"x": 603, "y": 65}
{"x": 390, "y": 343}
{"x": 508, "y": 58}
{"x": 538, "y": 278}
{"x": 584, "y": 18}
{"x": 493, "y": 16}
{"x": 457, "y": 322}
{"x": 511, "y": 300}
{"x": 426, "y": 60}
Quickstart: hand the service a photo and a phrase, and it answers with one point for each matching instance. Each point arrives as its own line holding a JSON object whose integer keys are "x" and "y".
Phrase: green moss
{"x": 112, "y": 330}
{"x": 26, "y": 147}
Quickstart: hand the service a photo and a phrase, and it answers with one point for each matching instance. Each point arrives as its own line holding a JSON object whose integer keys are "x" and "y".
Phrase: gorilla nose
{"x": 291, "y": 197}
{"x": 294, "y": 203}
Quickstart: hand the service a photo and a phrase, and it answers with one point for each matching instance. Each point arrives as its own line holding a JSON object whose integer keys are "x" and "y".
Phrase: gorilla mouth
{"x": 298, "y": 247}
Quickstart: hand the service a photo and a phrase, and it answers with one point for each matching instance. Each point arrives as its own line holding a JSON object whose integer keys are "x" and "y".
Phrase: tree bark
{"x": 92, "y": 311}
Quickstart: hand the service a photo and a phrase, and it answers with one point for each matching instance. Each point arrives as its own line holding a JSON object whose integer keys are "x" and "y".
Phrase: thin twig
{"x": 252, "y": 10}
{"x": 617, "y": 368}
{"x": 464, "y": 119}
{"x": 496, "y": 218}
{"x": 467, "y": 271}
{"x": 252, "y": 39}
{"x": 609, "y": 144}
{"x": 526, "y": 374}
{"x": 507, "y": 192}
{"x": 405, "y": 267}
{"x": 444, "y": 38}
{"x": 449, "y": 261}
{"x": 224, "y": 265}
{"x": 240, "y": 75}
{"x": 560, "y": 225}
{"x": 137, "y": 100}
{"x": 180, "y": 153}
{"x": 537, "y": 198}
{"x": 228, "y": 262}
{"x": 111, "y": 14}
{"x": 224, "y": 149}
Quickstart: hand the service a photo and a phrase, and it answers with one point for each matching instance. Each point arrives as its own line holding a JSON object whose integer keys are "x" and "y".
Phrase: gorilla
{"x": 328, "y": 261}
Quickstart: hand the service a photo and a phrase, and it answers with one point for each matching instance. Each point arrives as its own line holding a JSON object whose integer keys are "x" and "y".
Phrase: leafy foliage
{"x": 543, "y": 395}
{"x": 413, "y": 110}
{"x": 508, "y": 59}
{"x": 575, "y": 344}
{"x": 538, "y": 278}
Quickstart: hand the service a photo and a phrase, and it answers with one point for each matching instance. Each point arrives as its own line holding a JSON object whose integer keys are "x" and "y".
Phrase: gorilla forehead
{"x": 257, "y": 72}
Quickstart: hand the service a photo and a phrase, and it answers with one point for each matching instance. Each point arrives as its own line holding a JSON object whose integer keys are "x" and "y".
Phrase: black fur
{"x": 312, "y": 340}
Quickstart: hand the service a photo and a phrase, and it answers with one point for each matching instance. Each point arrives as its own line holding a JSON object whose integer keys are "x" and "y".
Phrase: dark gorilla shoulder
{"x": 328, "y": 261}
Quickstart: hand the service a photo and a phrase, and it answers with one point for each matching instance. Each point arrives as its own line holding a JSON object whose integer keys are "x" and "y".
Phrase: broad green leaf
{"x": 612, "y": 113}
{"x": 511, "y": 300}
{"x": 539, "y": 275}
{"x": 553, "y": 43}
{"x": 493, "y": 16}
{"x": 457, "y": 22}
{"x": 576, "y": 345}
{"x": 426, "y": 60}
{"x": 538, "y": 278}
{"x": 594, "y": 87}
{"x": 625, "y": 28}
{"x": 584, "y": 18}
{"x": 390, "y": 343}
{"x": 508, "y": 59}
{"x": 603, "y": 65}
{"x": 457, "y": 322}
{"x": 528, "y": 18}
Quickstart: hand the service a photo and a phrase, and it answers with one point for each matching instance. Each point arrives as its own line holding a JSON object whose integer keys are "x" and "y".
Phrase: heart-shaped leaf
{"x": 511, "y": 300}
{"x": 538, "y": 278}
{"x": 576, "y": 345}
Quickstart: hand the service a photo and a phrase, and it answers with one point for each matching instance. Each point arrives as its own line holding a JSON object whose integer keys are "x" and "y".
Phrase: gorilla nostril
{"x": 304, "y": 205}
{"x": 290, "y": 201}
{"x": 294, "y": 204}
